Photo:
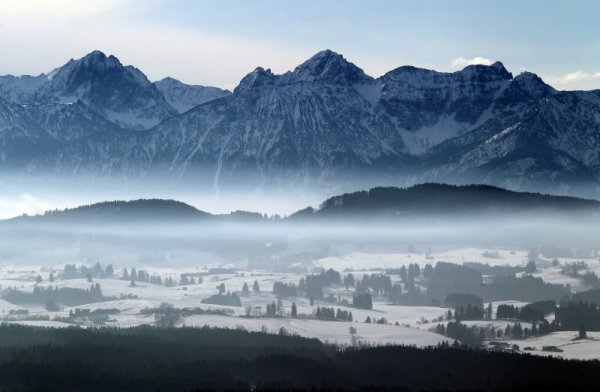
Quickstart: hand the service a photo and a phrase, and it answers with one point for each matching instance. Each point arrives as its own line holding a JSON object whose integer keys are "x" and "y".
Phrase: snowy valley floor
{"x": 404, "y": 325}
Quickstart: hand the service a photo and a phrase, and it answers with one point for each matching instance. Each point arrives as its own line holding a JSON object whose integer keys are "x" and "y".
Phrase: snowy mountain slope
{"x": 121, "y": 94}
{"x": 20, "y": 89}
{"x": 430, "y": 107}
{"x": 555, "y": 142}
{"x": 28, "y": 132}
{"x": 324, "y": 123}
{"x": 20, "y": 139}
{"x": 182, "y": 97}
{"x": 311, "y": 123}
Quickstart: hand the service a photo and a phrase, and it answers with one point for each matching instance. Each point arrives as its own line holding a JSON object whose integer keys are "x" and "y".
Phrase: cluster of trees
{"x": 362, "y": 301}
{"x": 468, "y": 313}
{"x": 411, "y": 296}
{"x": 313, "y": 285}
{"x": 143, "y": 276}
{"x": 71, "y": 271}
{"x": 277, "y": 310}
{"x": 225, "y": 299}
{"x": 447, "y": 278}
{"x": 135, "y": 276}
{"x": 526, "y": 288}
{"x": 469, "y": 336}
{"x": 349, "y": 281}
{"x": 381, "y": 320}
{"x": 52, "y": 296}
{"x": 450, "y": 278}
{"x": 576, "y": 315}
{"x": 414, "y": 271}
{"x": 166, "y": 316}
{"x": 187, "y": 279}
{"x": 591, "y": 296}
{"x": 517, "y": 331}
{"x": 96, "y": 316}
{"x": 283, "y": 290}
{"x": 535, "y": 311}
{"x": 246, "y": 289}
{"x": 324, "y": 313}
{"x": 378, "y": 284}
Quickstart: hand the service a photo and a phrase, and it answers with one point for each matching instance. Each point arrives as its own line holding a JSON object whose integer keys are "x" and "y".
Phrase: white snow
{"x": 565, "y": 340}
{"x": 408, "y": 325}
{"x": 360, "y": 260}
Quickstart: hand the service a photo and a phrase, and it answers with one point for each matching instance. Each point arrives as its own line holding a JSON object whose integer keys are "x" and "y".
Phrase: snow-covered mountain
{"x": 182, "y": 97}
{"x": 309, "y": 124}
{"x": 121, "y": 94}
{"x": 326, "y": 123}
{"x": 552, "y": 144}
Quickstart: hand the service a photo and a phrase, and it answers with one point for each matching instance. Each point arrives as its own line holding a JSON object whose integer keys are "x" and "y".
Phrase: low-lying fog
{"x": 275, "y": 243}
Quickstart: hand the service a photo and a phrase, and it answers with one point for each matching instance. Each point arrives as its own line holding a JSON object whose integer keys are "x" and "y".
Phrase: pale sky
{"x": 217, "y": 42}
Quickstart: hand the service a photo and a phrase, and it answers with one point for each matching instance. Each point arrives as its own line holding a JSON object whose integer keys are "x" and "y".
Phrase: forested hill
{"x": 136, "y": 211}
{"x": 123, "y": 211}
{"x": 441, "y": 199}
{"x": 425, "y": 200}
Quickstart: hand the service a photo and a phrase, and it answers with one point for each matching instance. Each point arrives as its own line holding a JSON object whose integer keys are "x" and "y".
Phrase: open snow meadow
{"x": 298, "y": 302}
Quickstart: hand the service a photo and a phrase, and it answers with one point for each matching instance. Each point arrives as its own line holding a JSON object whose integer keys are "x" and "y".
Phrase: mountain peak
{"x": 98, "y": 59}
{"x": 257, "y": 78}
{"x": 169, "y": 79}
{"x": 496, "y": 71}
{"x": 95, "y": 54}
{"x": 533, "y": 84}
{"x": 329, "y": 66}
{"x": 498, "y": 65}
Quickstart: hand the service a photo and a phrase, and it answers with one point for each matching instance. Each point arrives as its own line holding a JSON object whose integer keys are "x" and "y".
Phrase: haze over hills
{"x": 325, "y": 124}
{"x": 439, "y": 200}
{"x": 432, "y": 215}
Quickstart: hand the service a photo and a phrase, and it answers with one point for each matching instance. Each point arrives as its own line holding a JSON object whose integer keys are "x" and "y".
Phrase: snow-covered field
{"x": 409, "y": 325}
{"x": 565, "y": 340}
{"x": 409, "y": 330}
{"x": 360, "y": 260}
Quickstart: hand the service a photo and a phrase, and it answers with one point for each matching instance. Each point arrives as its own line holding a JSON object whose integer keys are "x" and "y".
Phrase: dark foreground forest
{"x": 186, "y": 359}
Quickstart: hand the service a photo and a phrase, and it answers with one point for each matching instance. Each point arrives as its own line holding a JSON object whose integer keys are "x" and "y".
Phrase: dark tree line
{"x": 324, "y": 313}
{"x": 72, "y": 271}
{"x": 67, "y": 296}
{"x": 185, "y": 359}
{"x": 143, "y": 276}
{"x": 535, "y": 311}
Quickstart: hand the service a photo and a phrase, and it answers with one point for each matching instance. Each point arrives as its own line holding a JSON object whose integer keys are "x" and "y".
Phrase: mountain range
{"x": 324, "y": 124}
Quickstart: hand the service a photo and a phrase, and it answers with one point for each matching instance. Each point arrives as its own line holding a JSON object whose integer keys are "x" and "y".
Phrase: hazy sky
{"x": 218, "y": 42}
